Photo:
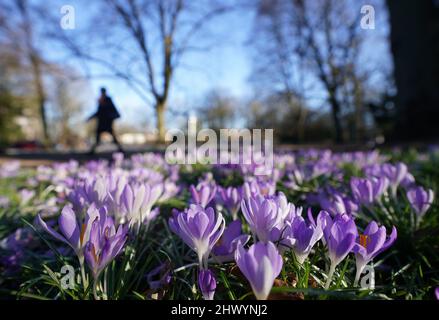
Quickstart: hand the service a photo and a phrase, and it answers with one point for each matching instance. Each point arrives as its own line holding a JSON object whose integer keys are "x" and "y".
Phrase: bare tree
{"x": 67, "y": 98}
{"x": 144, "y": 41}
{"x": 219, "y": 110}
{"x": 315, "y": 47}
{"x": 415, "y": 48}
{"x": 279, "y": 63}
{"x": 18, "y": 24}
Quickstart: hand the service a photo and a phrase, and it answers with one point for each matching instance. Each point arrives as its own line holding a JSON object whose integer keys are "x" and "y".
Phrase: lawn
{"x": 323, "y": 225}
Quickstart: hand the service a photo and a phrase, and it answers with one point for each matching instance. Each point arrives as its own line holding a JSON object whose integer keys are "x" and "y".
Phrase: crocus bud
{"x": 420, "y": 200}
{"x": 203, "y": 194}
{"x": 207, "y": 284}
{"x": 261, "y": 264}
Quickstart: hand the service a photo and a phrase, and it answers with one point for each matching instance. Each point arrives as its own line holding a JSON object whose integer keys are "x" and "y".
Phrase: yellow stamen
{"x": 93, "y": 252}
{"x": 81, "y": 237}
{"x": 364, "y": 240}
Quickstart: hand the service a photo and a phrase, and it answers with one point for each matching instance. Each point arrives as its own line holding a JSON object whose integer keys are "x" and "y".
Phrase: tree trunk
{"x": 36, "y": 65}
{"x": 41, "y": 95}
{"x": 415, "y": 49}
{"x": 335, "y": 107}
{"x": 358, "y": 113}
{"x": 42, "y": 107}
{"x": 160, "y": 113}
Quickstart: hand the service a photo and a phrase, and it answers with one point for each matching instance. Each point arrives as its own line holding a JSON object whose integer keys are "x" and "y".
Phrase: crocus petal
{"x": 51, "y": 231}
{"x": 69, "y": 227}
{"x": 390, "y": 241}
{"x": 344, "y": 247}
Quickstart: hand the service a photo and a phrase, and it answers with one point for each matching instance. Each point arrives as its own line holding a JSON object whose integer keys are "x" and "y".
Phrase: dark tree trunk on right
{"x": 415, "y": 48}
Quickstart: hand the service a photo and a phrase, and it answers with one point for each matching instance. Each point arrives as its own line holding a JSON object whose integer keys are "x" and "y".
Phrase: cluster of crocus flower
{"x": 367, "y": 191}
{"x": 10, "y": 169}
{"x": 250, "y": 222}
{"x": 98, "y": 219}
{"x": 334, "y": 203}
{"x": 95, "y": 238}
{"x": 277, "y": 226}
{"x": 137, "y": 202}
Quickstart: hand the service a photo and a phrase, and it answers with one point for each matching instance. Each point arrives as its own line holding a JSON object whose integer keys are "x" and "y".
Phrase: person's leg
{"x": 97, "y": 141}
{"x": 119, "y": 147}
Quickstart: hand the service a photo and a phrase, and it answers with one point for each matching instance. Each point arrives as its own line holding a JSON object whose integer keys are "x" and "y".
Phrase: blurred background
{"x": 319, "y": 72}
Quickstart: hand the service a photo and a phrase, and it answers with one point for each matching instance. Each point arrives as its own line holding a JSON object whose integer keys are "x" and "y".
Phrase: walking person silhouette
{"x": 105, "y": 116}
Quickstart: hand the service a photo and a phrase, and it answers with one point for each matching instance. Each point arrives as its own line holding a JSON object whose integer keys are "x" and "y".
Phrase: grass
{"x": 409, "y": 270}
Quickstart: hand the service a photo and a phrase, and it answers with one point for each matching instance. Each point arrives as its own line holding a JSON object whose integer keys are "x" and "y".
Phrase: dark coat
{"x": 105, "y": 115}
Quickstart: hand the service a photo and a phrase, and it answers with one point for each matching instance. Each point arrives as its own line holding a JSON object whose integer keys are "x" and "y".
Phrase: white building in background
{"x": 137, "y": 138}
{"x": 133, "y": 138}
{"x": 192, "y": 123}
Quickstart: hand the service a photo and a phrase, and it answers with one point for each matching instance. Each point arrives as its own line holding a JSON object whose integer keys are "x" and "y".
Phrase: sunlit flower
{"x": 340, "y": 234}
{"x": 199, "y": 228}
{"x": 261, "y": 264}
{"x": 370, "y": 244}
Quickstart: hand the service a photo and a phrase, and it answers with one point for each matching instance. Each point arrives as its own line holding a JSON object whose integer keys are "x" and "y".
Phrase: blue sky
{"x": 225, "y": 66}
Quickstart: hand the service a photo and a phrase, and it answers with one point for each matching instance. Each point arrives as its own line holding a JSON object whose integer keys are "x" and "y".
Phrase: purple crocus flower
{"x": 370, "y": 244}
{"x": 4, "y": 202}
{"x": 367, "y": 191}
{"x": 420, "y": 200}
{"x": 72, "y": 233}
{"x": 170, "y": 190}
{"x": 118, "y": 158}
{"x": 94, "y": 190}
{"x": 25, "y": 196}
{"x": 203, "y": 194}
{"x": 261, "y": 264}
{"x": 337, "y": 204}
{"x": 231, "y": 199}
{"x": 207, "y": 284}
{"x": 76, "y": 198}
{"x": 226, "y": 245}
{"x": 295, "y": 179}
{"x": 10, "y": 169}
{"x": 286, "y": 210}
{"x": 395, "y": 173}
{"x": 14, "y": 245}
{"x": 258, "y": 187}
{"x": 408, "y": 182}
{"x": 340, "y": 235}
{"x": 437, "y": 293}
{"x": 105, "y": 243}
{"x": 199, "y": 228}
{"x": 301, "y": 237}
{"x": 137, "y": 201}
{"x": 263, "y": 217}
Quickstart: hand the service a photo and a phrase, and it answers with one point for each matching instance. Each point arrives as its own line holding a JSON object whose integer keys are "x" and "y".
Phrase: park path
{"x": 32, "y": 159}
